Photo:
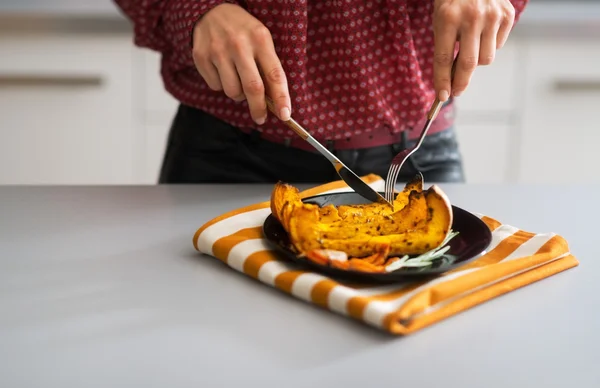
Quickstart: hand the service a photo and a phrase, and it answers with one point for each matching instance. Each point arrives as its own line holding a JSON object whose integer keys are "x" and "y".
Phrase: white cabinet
{"x": 485, "y": 149}
{"x": 491, "y": 92}
{"x": 66, "y": 112}
{"x": 156, "y": 114}
{"x": 155, "y": 141}
{"x": 158, "y": 104}
{"x": 485, "y": 119}
{"x": 560, "y": 127}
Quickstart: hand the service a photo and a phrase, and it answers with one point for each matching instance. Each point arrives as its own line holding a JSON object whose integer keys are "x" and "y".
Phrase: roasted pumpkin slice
{"x": 416, "y": 184}
{"x": 421, "y": 226}
{"x": 304, "y": 228}
{"x": 420, "y": 221}
{"x": 361, "y": 213}
{"x": 371, "y": 225}
{"x": 284, "y": 198}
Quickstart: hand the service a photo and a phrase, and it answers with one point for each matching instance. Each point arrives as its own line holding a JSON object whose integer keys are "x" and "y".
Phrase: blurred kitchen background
{"x": 79, "y": 104}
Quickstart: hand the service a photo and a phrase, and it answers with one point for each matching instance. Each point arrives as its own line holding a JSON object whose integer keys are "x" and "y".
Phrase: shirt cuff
{"x": 180, "y": 19}
{"x": 519, "y": 6}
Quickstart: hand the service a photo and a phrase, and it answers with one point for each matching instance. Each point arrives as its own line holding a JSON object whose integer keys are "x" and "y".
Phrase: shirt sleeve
{"x": 519, "y": 6}
{"x": 167, "y": 25}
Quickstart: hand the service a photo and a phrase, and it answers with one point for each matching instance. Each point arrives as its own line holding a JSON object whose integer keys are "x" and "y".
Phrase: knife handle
{"x": 303, "y": 133}
{"x": 290, "y": 123}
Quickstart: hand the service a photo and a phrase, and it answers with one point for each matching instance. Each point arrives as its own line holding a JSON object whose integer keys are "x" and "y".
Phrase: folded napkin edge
{"x": 395, "y": 324}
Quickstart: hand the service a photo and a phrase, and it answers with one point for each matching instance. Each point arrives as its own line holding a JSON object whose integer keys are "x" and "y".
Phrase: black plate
{"x": 473, "y": 239}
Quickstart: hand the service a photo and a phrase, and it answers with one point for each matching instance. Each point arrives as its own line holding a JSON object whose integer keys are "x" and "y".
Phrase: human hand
{"x": 231, "y": 49}
{"x": 480, "y": 26}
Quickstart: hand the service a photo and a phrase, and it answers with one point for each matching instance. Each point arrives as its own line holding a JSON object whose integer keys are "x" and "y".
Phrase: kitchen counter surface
{"x": 101, "y": 287}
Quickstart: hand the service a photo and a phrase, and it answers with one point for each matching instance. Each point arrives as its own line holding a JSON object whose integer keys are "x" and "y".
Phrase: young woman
{"x": 360, "y": 75}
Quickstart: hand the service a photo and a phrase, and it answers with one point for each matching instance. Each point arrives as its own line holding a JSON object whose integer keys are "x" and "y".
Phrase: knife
{"x": 347, "y": 175}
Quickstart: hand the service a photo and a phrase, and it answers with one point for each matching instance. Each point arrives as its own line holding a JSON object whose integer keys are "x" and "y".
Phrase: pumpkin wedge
{"x": 420, "y": 221}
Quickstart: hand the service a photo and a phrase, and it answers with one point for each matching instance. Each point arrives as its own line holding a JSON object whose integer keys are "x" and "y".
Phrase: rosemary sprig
{"x": 424, "y": 259}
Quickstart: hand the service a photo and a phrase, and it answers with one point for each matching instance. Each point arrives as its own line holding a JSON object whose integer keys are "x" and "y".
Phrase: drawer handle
{"x": 574, "y": 85}
{"x": 12, "y": 80}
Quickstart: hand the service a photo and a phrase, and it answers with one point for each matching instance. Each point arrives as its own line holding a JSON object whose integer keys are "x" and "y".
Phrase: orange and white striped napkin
{"x": 515, "y": 258}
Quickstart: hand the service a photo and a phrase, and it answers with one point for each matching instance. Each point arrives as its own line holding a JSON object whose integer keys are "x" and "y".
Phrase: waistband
{"x": 376, "y": 138}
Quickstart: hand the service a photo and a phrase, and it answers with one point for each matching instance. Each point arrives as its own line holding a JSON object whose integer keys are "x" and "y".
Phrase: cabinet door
{"x": 66, "y": 109}
{"x": 560, "y": 129}
{"x": 491, "y": 92}
{"x": 154, "y": 151}
{"x": 485, "y": 152}
{"x": 157, "y": 101}
{"x": 158, "y": 109}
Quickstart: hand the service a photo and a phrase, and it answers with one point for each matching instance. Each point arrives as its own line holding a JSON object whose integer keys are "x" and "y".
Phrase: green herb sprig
{"x": 424, "y": 259}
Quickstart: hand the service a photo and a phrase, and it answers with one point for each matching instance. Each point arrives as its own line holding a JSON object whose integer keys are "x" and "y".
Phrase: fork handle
{"x": 437, "y": 104}
{"x": 435, "y": 109}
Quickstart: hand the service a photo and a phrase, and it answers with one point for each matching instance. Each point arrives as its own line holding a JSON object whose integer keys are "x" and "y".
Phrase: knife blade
{"x": 347, "y": 175}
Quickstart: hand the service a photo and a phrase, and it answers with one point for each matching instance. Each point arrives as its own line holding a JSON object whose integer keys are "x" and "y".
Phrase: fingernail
{"x": 457, "y": 93}
{"x": 444, "y": 95}
{"x": 285, "y": 113}
{"x": 261, "y": 120}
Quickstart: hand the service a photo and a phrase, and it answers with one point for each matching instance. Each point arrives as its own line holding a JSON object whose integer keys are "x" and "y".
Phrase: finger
{"x": 275, "y": 81}
{"x": 467, "y": 61}
{"x": 443, "y": 57}
{"x": 210, "y": 75}
{"x": 229, "y": 78}
{"x": 207, "y": 70}
{"x": 487, "y": 51}
{"x": 253, "y": 87}
{"x": 505, "y": 27}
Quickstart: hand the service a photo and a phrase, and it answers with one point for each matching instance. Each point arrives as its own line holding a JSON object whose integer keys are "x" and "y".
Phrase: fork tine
{"x": 388, "y": 179}
{"x": 393, "y": 179}
{"x": 387, "y": 182}
{"x": 391, "y": 182}
{"x": 394, "y": 171}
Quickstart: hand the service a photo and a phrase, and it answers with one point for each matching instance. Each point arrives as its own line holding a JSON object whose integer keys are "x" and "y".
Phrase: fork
{"x": 402, "y": 157}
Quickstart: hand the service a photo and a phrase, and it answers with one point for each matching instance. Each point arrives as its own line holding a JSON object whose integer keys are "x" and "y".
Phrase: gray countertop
{"x": 101, "y": 287}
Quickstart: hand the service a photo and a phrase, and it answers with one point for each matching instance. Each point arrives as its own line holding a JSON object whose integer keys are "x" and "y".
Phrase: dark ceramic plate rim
{"x": 277, "y": 237}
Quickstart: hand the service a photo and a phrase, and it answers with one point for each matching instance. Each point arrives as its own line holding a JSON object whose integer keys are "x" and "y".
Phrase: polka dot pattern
{"x": 353, "y": 66}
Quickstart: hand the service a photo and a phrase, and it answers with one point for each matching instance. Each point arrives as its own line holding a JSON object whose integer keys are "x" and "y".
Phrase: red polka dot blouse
{"x": 353, "y": 66}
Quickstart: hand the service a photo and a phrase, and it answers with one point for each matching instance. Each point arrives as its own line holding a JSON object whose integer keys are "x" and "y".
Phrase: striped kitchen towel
{"x": 515, "y": 258}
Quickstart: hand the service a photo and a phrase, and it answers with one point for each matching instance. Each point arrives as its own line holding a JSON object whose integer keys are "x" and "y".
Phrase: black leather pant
{"x": 203, "y": 149}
